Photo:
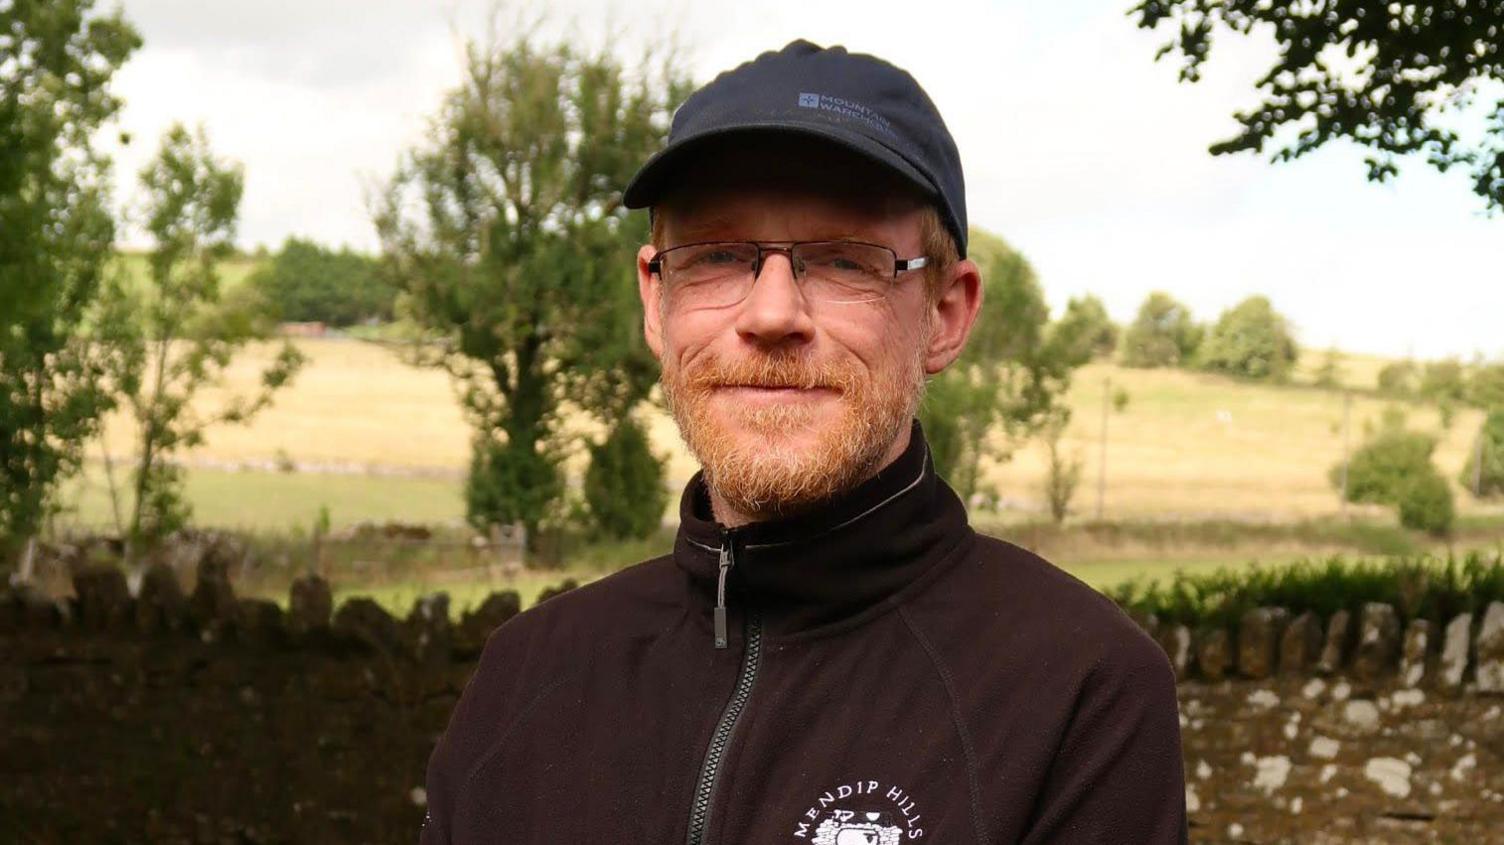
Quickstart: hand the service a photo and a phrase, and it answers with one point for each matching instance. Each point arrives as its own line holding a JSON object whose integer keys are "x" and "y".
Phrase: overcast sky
{"x": 1079, "y": 149}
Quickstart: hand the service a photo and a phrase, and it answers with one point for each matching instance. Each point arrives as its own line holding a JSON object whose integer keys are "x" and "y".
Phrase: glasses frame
{"x": 786, "y": 248}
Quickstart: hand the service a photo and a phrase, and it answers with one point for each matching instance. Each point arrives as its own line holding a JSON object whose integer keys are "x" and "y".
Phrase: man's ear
{"x": 954, "y": 312}
{"x": 650, "y": 291}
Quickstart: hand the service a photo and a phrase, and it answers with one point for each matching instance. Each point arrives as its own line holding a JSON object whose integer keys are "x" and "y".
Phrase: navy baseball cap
{"x": 853, "y": 100}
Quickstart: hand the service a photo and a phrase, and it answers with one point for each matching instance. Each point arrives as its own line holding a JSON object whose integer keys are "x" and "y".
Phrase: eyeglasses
{"x": 716, "y": 274}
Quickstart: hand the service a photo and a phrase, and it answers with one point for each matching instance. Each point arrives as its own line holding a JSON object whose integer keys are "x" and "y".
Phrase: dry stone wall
{"x": 202, "y": 716}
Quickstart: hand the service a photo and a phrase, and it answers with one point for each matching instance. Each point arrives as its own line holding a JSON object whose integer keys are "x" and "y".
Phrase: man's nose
{"x": 775, "y": 311}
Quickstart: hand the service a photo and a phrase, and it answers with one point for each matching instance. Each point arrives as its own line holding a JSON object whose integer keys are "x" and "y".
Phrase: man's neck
{"x": 732, "y": 517}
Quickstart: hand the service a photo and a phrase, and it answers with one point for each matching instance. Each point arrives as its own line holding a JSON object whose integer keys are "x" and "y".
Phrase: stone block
{"x": 310, "y": 605}
{"x": 103, "y": 599}
{"x": 1214, "y": 654}
{"x": 1176, "y": 641}
{"x": 427, "y": 628}
{"x": 1378, "y": 641}
{"x": 477, "y": 625}
{"x": 361, "y": 620}
{"x": 212, "y": 605}
{"x": 1335, "y": 645}
{"x": 1454, "y": 651}
{"x": 160, "y": 605}
{"x": 1414, "y": 652}
{"x": 1490, "y": 649}
{"x": 258, "y": 622}
{"x": 1300, "y": 644}
{"x": 1259, "y": 633}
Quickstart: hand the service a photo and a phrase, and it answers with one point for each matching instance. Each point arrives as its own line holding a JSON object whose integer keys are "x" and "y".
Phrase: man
{"x": 830, "y": 655}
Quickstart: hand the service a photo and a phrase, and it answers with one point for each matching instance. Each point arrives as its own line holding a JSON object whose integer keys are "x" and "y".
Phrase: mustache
{"x": 773, "y": 371}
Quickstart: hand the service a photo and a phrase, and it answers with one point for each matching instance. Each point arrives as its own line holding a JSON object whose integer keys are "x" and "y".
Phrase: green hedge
{"x": 1421, "y": 587}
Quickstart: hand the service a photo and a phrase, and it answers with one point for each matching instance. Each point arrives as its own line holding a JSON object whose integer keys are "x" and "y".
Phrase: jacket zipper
{"x": 699, "y": 815}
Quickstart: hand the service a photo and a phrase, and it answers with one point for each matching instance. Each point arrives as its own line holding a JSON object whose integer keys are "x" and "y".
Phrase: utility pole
{"x": 1478, "y": 462}
{"x": 1102, "y": 448}
{"x": 1347, "y": 451}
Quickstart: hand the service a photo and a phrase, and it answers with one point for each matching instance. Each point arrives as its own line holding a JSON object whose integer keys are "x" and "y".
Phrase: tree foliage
{"x": 1250, "y": 339}
{"x": 1085, "y": 331}
{"x": 1485, "y": 386}
{"x": 624, "y": 488}
{"x": 506, "y": 234}
{"x": 1380, "y": 469}
{"x": 1162, "y": 335}
{"x": 56, "y": 231}
{"x": 308, "y": 282}
{"x": 1397, "y": 379}
{"x": 1484, "y": 471}
{"x": 1395, "y": 78}
{"x": 178, "y": 333}
{"x": 1011, "y": 376}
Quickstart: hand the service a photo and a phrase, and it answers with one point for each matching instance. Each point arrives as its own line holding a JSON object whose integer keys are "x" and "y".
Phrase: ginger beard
{"x": 753, "y": 463}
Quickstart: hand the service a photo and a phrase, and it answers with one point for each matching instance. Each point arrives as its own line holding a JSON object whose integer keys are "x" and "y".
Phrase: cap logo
{"x": 845, "y": 108}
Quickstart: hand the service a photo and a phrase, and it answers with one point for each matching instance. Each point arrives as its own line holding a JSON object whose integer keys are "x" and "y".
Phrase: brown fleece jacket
{"x": 887, "y": 675}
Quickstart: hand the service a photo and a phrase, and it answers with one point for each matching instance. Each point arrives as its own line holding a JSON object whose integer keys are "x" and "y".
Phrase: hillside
{"x": 1187, "y": 445}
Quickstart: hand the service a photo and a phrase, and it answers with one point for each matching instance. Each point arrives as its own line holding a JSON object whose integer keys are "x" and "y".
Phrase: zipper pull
{"x": 720, "y": 597}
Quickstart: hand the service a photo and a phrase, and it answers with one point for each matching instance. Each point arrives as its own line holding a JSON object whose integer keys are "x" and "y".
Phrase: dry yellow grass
{"x": 1187, "y": 445}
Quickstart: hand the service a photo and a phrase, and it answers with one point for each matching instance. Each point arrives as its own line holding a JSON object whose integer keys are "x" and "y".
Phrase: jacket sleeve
{"x": 1118, "y": 775}
{"x": 472, "y": 729}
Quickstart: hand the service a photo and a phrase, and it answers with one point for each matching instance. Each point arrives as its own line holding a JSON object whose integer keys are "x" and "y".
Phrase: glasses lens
{"x": 702, "y": 275}
{"x": 841, "y": 271}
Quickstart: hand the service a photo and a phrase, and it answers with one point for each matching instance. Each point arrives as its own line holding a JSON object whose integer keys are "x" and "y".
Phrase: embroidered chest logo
{"x": 864, "y": 812}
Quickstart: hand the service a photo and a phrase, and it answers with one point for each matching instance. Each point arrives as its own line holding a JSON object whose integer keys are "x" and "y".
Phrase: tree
{"x": 1485, "y": 386}
{"x": 1391, "y": 77}
{"x": 1397, "y": 379}
{"x": 1085, "y": 331}
{"x": 1380, "y": 469}
{"x": 506, "y": 234}
{"x": 624, "y": 488}
{"x": 1250, "y": 339}
{"x": 56, "y": 233}
{"x": 1484, "y": 471}
{"x": 1394, "y": 468}
{"x": 1329, "y": 373}
{"x": 1010, "y": 378}
{"x": 1062, "y": 472}
{"x": 179, "y": 331}
{"x": 307, "y": 282}
{"x": 1162, "y": 335}
{"x": 1443, "y": 382}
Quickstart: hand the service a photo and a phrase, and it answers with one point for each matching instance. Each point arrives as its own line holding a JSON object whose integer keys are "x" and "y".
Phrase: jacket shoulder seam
{"x": 960, "y": 724}
{"x": 506, "y": 735}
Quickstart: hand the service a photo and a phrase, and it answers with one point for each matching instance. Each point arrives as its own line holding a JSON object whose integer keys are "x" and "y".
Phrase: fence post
{"x": 1102, "y": 449}
{"x": 1347, "y": 452}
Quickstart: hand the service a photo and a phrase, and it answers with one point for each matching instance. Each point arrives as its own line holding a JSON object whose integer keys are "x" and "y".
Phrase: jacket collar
{"x": 835, "y": 560}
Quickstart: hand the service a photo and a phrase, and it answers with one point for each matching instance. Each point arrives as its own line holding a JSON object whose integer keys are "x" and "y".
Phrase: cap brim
{"x": 647, "y": 187}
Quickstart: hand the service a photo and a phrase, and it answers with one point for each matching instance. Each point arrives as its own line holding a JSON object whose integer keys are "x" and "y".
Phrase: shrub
{"x": 1425, "y": 504}
{"x": 624, "y": 488}
{"x": 1379, "y": 471}
{"x": 1485, "y": 387}
{"x": 1252, "y": 340}
{"x": 1443, "y": 382}
{"x": 1397, "y": 379}
{"x": 1418, "y": 588}
{"x": 308, "y": 282}
{"x": 1162, "y": 335}
{"x": 1484, "y": 471}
